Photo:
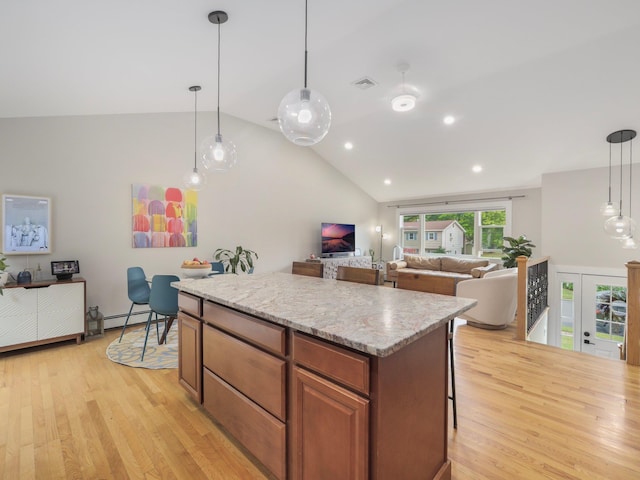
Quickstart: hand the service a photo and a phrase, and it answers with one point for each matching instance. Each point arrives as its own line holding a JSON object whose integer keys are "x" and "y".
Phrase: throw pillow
{"x": 422, "y": 263}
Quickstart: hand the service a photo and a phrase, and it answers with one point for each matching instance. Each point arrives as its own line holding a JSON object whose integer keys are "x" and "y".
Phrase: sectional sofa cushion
{"x": 423, "y": 263}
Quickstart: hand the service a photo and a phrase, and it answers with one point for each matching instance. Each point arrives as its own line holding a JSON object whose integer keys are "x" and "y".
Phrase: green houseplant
{"x": 234, "y": 259}
{"x": 517, "y": 247}
{"x": 3, "y": 275}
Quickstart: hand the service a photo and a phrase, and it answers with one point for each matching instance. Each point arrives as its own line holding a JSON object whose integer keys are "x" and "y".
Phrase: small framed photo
{"x": 26, "y": 225}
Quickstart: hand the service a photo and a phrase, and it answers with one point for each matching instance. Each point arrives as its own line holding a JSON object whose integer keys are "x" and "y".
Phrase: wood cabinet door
{"x": 190, "y": 355}
{"x": 330, "y": 430}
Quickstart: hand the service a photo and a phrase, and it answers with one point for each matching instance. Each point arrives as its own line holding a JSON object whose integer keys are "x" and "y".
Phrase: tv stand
{"x": 331, "y": 265}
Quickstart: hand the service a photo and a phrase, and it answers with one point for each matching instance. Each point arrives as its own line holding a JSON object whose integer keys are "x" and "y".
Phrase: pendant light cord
{"x": 306, "y": 3}
{"x": 630, "y": 172}
{"x": 609, "y": 172}
{"x": 218, "y": 79}
{"x": 620, "y": 213}
{"x": 195, "y": 130}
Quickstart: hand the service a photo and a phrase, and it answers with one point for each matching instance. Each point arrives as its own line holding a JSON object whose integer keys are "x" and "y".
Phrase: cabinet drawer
{"x": 190, "y": 304}
{"x": 258, "y": 375}
{"x": 267, "y": 335}
{"x": 263, "y": 435}
{"x": 344, "y": 366}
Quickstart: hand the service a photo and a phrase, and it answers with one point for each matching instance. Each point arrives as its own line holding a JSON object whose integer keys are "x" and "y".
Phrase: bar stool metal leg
{"x": 453, "y": 377}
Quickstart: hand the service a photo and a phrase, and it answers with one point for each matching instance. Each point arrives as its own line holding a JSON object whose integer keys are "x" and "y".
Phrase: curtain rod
{"x": 449, "y": 202}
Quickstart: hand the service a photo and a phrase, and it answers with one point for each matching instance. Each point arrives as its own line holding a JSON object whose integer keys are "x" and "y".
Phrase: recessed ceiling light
{"x": 403, "y": 103}
{"x": 477, "y": 168}
{"x": 449, "y": 120}
{"x": 387, "y": 181}
{"x": 348, "y": 146}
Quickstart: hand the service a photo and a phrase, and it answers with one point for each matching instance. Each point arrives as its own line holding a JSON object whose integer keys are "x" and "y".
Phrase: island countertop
{"x": 372, "y": 319}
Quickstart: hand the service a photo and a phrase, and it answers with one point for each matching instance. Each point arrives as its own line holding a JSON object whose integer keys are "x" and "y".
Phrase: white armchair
{"x": 497, "y": 295}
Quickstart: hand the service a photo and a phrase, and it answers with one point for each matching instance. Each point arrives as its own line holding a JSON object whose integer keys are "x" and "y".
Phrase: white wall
{"x": 272, "y": 202}
{"x": 525, "y": 215}
{"x": 573, "y": 229}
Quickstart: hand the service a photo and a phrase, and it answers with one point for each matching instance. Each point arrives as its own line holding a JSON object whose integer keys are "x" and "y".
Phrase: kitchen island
{"x": 320, "y": 378}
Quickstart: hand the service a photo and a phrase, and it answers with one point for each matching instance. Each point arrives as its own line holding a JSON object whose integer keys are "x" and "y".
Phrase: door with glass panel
{"x": 604, "y": 315}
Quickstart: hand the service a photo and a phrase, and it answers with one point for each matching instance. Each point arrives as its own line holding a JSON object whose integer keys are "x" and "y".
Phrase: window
{"x": 484, "y": 226}
{"x": 411, "y": 236}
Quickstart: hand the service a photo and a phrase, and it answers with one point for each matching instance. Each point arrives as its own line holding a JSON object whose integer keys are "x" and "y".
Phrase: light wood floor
{"x": 524, "y": 412}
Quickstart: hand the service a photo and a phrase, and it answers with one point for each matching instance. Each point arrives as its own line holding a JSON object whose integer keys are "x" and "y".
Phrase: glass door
{"x": 604, "y": 315}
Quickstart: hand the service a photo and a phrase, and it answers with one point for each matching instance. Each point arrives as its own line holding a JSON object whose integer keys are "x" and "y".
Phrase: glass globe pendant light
{"x": 218, "y": 154}
{"x": 193, "y": 179}
{"x": 620, "y": 227}
{"x": 304, "y": 115}
{"x": 608, "y": 209}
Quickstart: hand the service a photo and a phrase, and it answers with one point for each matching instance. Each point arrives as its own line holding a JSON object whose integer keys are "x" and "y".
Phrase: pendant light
{"x": 630, "y": 243}
{"x": 405, "y": 101}
{"x": 218, "y": 153}
{"x": 304, "y": 115}
{"x": 620, "y": 226}
{"x": 193, "y": 179}
{"x": 608, "y": 209}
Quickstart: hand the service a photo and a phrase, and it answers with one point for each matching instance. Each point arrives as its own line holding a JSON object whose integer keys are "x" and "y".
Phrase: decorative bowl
{"x": 196, "y": 271}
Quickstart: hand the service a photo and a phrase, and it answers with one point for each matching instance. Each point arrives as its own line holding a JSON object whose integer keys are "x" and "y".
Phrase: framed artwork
{"x": 26, "y": 225}
{"x": 163, "y": 216}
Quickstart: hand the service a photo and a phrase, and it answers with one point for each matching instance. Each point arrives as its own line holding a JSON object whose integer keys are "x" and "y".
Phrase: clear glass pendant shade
{"x": 608, "y": 209}
{"x": 304, "y": 117}
{"x": 620, "y": 227}
{"x": 194, "y": 180}
{"x": 218, "y": 154}
{"x": 629, "y": 243}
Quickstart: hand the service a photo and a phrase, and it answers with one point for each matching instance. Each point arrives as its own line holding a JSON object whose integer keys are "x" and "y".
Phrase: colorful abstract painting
{"x": 164, "y": 216}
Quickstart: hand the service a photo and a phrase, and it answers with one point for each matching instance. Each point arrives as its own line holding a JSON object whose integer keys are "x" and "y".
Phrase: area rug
{"x": 156, "y": 356}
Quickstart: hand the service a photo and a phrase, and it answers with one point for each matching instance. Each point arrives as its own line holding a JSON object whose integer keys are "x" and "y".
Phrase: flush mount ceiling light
{"x": 218, "y": 154}
{"x": 449, "y": 120}
{"x": 405, "y": 101}
{"x": 193, "y": 179}
{"x": 304, "y": 115}
{"x": 621, "y": 227}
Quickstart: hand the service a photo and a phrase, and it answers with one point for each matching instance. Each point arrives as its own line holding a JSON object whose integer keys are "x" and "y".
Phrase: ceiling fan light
{"x": 304, "y": 116}
{"x": 403, "y": 103}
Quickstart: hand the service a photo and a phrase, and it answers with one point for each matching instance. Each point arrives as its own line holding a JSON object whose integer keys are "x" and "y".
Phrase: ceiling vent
{"x": 364, "y": 83}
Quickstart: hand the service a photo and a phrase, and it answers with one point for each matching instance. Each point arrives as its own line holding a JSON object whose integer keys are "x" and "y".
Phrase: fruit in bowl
{"x": 196, "y": 268}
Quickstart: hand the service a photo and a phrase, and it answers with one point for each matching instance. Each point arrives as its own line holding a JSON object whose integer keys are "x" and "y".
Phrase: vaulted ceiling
{"x": 534, "y": 86}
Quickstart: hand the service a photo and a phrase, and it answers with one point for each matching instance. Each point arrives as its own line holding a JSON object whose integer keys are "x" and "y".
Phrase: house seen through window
{"x": 467, "y": 230}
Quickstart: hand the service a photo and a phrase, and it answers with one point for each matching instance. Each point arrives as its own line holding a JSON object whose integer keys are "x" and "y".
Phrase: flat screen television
{"x": 338, "y": 239}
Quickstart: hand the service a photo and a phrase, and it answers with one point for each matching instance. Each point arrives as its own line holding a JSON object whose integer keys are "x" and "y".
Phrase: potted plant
{"x": 517, "y": 247}
{"x": 4, "y": 276}
{"x": 240, "y": 258}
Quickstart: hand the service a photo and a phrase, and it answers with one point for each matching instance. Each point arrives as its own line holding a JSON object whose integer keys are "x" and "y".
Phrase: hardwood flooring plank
{"x": 525, "y": 411}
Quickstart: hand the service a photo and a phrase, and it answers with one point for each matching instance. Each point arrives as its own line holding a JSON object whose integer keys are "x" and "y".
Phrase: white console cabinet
{"x": 331, "y": 265}
{"x": 41, "y": 312}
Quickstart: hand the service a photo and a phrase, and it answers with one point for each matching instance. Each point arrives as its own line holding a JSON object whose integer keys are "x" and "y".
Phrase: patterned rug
{"x": 156, "y": 356}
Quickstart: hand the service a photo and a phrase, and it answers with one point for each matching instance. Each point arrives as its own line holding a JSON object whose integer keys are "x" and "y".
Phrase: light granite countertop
{"x": 372, "y": 319}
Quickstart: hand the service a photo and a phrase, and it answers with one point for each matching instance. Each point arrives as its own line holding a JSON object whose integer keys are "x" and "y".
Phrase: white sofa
{"x": 497, "y": 295}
